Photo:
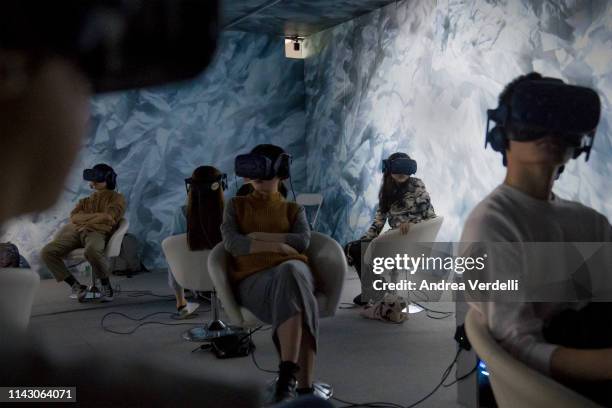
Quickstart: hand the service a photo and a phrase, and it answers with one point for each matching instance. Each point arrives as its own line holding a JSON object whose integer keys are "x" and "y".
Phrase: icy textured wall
{"x": 418, "y": 76}
{"x": 155, "y": 138}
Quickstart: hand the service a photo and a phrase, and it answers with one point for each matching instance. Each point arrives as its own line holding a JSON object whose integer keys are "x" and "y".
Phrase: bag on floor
{"x": 128, "y": 262}
{"x": 389, "y": 309}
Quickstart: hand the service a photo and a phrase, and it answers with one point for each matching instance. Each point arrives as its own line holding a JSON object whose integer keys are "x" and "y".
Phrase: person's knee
{"x": 49, "y": 252}
{"x": 92, "y": 253}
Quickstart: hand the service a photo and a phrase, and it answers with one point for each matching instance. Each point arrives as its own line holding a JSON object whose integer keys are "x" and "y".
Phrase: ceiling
{"x": 292, "y": 17}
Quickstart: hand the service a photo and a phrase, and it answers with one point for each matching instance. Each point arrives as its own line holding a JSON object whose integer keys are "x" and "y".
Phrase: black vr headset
{"x": 207, "y": 185}
{"x": 259, "y": 167}
{"x": 546, "y": 107}
{"x": 118, "y": 44}
{"x": 401, "y": 165}
{"x": 101, "y": 173}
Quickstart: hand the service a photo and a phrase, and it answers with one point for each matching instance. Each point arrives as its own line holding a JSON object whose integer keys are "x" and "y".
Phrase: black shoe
{"x": 357, "y": 300}
{"x": 286, "y": 383}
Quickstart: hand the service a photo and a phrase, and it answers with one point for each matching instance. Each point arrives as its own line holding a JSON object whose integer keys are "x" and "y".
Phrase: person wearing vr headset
{"x": 267, "y": 236}
{"x": 540, "y": 124}
{"x": 53, "y": 55}
{"x": 403, "y": 200}
{"x": 91, "y": 223}
{"x": 201, "y": 219}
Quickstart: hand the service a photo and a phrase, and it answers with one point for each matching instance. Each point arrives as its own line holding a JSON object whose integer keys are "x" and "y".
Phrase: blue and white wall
{"x": 155, "y": 138}
{"x": 418, "y": 76}
{"x": 415, "y": 76}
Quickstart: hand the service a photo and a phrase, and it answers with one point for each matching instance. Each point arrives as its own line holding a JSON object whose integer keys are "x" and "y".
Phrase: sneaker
{"x": 358, "y": 301}
{"x": 187, "y": 309}
{"x": 78, "y": 291}
{"x": 107, "y": 293}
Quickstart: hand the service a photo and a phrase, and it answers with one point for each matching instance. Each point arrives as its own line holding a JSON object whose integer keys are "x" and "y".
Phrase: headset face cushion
{"x": 402, "y": 165}
{"x": 254, "y": 167}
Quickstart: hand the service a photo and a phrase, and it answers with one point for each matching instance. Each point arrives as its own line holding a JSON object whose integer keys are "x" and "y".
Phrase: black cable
{"x": 443, "y": 314}
{"x": 134, "y": 329}
{"x": 463, "y": 377}
{"x": 367, "y": 404}
{"x": 444, "y": 377}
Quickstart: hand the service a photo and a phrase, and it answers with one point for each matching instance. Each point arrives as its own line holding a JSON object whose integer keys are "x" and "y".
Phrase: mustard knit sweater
{"x": 259, "y": 212}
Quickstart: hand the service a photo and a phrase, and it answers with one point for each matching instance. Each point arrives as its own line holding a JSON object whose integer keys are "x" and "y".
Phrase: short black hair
{"x": 505, "y": 98}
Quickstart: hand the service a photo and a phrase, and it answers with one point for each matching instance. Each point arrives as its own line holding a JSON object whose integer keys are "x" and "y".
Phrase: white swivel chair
{"x": 17, "y": 290}
{"x": 112, "y": 249}
{"x": 391, "y": 243}
{"x": 311, "y": 200}
{"x": 326, "y": 258}
{"x": 515, "y": 384}
{"x": 190, "y": 269}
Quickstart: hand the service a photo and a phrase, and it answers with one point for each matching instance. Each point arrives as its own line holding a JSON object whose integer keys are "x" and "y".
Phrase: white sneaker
{"x": 77, "y": 290}
{"x": 188, "y": 310}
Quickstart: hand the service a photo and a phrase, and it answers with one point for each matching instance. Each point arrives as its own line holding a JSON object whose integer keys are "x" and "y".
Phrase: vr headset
{"x": 99, "y": 175}
{"x": 207, "y": 186}
{"x": 402, "y": 165}
{"x": 259, "y": 167}
{"x": 118, "y": 44}
{"x": 546, "y": 107}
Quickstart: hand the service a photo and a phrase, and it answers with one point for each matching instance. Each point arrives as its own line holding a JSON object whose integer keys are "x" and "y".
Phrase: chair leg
{"x": 215, "y": 328}
{"x": 93, "y": 292}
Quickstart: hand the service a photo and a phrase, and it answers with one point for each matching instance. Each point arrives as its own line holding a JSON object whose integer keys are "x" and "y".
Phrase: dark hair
{"x": 389, "y": 190}
{"x": 204, "y": 211}
{"x": 111, "y": 185}
{"x": 247, "y": 189}
{"x": 272, "y": 152}
{"x": 505, "y": 98}
{"x": 11, "y": 251}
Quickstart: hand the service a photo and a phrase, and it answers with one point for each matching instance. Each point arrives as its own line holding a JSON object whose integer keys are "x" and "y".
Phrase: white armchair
{"x": 515, "y": 384}
{"x": 326, "y": 258}
{"x": 112, "y": 249}
{"x": 17, "y": 291}
{"x": 190, "y": 268}
{"x": 391, "y": 243}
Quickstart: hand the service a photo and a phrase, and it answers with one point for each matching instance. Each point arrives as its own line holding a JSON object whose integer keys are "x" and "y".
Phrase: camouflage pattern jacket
{"x": 413, "y": 208}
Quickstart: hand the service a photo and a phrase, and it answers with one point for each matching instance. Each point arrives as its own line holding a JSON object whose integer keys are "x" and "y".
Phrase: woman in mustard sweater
{"x": 267, "y": 237}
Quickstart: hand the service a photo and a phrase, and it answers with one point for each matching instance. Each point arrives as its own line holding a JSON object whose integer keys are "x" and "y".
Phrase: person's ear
{"x": 13, "y": 74}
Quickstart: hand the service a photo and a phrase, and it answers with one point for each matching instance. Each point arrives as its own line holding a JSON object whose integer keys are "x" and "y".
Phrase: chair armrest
{"x": 219, "y": 265}
{"x": 327, "y": 260}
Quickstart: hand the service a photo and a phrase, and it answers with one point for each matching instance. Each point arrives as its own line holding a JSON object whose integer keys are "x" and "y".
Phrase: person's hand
{"x": 404, "y": 228}
{"x": 286, "y": 249}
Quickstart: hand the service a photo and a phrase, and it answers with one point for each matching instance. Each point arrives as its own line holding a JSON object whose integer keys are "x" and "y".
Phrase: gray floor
{"x": 364, "y": 360}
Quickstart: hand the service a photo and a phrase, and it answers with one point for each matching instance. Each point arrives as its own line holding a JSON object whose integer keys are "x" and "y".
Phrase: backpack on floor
{"x": 128, "y": 262}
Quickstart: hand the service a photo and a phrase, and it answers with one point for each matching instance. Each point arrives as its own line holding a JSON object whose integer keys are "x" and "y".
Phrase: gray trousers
{"x": 276, "y": 294}
{"x": 67, "y": 240}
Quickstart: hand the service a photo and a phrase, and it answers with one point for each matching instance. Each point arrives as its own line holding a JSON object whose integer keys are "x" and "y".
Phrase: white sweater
{"x": 509, "y": 215}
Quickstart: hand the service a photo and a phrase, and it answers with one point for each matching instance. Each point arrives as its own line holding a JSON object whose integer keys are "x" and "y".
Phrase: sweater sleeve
{"x": 422, "y": 203}
{"x": 377, "y": 225}
{"x": 234, "y": 241}
{"x": 116, "y": 208}
{"x": 299, "y": 237}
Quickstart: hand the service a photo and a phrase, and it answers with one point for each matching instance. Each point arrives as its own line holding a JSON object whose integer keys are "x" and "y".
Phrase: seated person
{"x": 403, "y": 200}
{"x": 201, "y": 219}
{"x": 91, "y": 223}
{"x": 570, "y": 343}
{"x": 10, "y": 257}
{"x": 267, "y": 237}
